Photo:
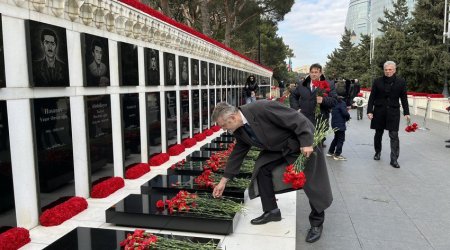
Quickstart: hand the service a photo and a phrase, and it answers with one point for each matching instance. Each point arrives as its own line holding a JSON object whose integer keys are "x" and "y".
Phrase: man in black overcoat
{"x": 384, "y": 109}
{"x": 282, "y": 133}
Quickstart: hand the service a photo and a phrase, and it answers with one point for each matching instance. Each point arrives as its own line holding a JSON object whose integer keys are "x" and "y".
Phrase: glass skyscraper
{"x": 363, "y": 15}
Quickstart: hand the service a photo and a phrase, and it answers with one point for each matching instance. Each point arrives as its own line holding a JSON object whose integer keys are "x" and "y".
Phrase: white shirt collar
{"x": 244, "y": 120}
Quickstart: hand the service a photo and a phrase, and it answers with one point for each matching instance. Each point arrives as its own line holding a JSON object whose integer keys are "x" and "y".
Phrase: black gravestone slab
{"x": 152, "y": 70}
{"x": 139, "y": 210}
{"x": 47, "y": 46}
{"x": 195, "y": 123}
{"x": 53, "y": 134}
{"x": 175, "y": 183}
{"x": 199, "y": 156}
{"x": 154, "y": 123}
{"x": 131, "y": 128}
{"x": 228, "y": 76}
{"x": 212, "y": 103}
{"x": 204, "y": 70}
{"x": 195, "y": 72}
{"x": 6, "y": 178}
{"x": 169, "y": 69}
{"x": 184, "y": 114}
{"x": 227, "y": 134}
{"x": 95, "y": 60}
{"x": 212, "y": 74}
{"x": 184, "y": 70}
{"x": 218, "y": 75}
{"x": 204, "y": 101}
{"x": 2, "y": 62}
{"x": 100, "y": 131}
{"x": 128, "y": 64}
{"x": 223, "y": 139}
{"x": 171, "y": 117}
{"x": 214, "y": 147}
{"x": 82, "y": 238}
{"x": 224, "y": 95}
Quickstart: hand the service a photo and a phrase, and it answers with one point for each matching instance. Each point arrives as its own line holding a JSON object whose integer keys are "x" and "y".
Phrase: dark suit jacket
{"x": 385, "y": 105}
{"x": 281, "y": 131}
{"x": 43, "y": 76}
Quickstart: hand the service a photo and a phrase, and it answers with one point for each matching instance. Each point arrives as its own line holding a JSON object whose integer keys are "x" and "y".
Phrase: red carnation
{"x": 208, "y": 132}
{"x": 215, "y": 128}
{"x": 14, "y": 238}
{"x": 105, "y": 188}
{"x": 189, "y": 142}
{"x": 160, "y": 204}
{"x": 176, "y": 150}
{"x": 58, "y": 214}
{"x": 199, "y": 136}
{"x": 298, "y": 180}
{"x": 159, "y": 159}
{"x": 136, "y": 171}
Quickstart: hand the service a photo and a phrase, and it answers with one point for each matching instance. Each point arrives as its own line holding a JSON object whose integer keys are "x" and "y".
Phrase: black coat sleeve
{"x": 294, "y": 99}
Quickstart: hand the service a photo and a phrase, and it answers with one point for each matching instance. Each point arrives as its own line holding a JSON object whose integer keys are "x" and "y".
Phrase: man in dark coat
{"x": 281, "y": 133}
{"x": 384, "y": 109}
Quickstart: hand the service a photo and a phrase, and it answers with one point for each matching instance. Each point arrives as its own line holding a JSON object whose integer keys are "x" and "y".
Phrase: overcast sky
{"x": 313, "y": 29}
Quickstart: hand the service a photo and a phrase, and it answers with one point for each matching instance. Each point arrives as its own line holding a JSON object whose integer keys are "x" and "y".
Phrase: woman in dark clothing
{"x": 250, "y": 89}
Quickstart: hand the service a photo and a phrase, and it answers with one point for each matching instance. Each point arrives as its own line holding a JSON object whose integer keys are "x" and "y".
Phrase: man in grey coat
{"x": 282, "y": 133}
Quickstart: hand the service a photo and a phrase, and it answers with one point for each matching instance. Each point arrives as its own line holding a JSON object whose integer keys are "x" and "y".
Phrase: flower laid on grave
{"x": 209, "y": 179}
{"x": 142, "y": 240}
{"x": 215, "y": 128}
{"x": 448, "y": 108}
{"x": 208, "y": 132}
{"x": 176, "y": 149}
{"x": 158, "y": 159}
{"x": 411, "y": 127}
{"x": 322, "y": 90}
{"x": 295, "y": 174}
{"x": 189, "y": 142}
{"x": 106, "y": 187}
{"x": 14, "y": 238}
{"x": 199, "y": 136}
{"x": 201, "y": 204}
{"x": 58, "y": 214}
{"x": 137, "y": 170}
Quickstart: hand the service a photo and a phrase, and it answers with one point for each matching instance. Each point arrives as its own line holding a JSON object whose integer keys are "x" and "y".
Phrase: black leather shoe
{"x": 447, "y": 146}
{"x": 377, "y": 156}
{"x": 448, "y": 140}
{"x": 314, "y": 234}
{"x": 394, "y": 164}
{"x": 267, "y": 217}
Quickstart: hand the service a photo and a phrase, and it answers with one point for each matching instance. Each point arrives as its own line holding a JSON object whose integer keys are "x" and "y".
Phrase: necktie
{"x": 251, "y": 133}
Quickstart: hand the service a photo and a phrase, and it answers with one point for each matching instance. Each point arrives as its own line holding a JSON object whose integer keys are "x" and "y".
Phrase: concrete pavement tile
{"x": 393, "y": 245}
{"x": 336, "y": 225}
{"x": 436, "y": 231}
{"x": 329, "y": 242}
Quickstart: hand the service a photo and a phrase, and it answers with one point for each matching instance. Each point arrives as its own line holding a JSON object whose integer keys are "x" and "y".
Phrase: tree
{"x": 340, "y": 61}
{"x": 397, "y": 19}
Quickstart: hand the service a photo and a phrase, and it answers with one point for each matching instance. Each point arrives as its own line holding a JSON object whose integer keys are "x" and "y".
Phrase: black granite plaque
{"x": 171, "y": 118}
{"x": 152, "y": 72}
{"x": 53, "y": 136}
{"x": 47, "y": 46}
{"x": 154, "y": 123}
{"x": 7, "y": 217}
{"x": 95, "y": 60}
{"x": 175, "y": 183}
{"x": 228, "y": 75}
{"x": 195, "y": 72}
{"x": 218, "y": 95}
{"x": 212, "y": 74}
{"x": 234, "y": 77}
{"x": 218, "y": 74}
{"x": 224, "y": 95}
{"x": 139, "y": 210}
{"x": 169, "y": 69}
{"x": 204, "y": 69}
{"x": 223, "y": 139}
{"x": 205, "y": 110}
{"x": 195, "y": 123}
{"x": 199, "y": 156}
{"x": 214, "y": 147}
{"x": 131, "y": 128}
{"x": 184, "y": 70}
{"x": 184, "y": 114}
{"x": 212, "y": 103}
{"x": 2, "y": 60}
{"x": 100, "y": 136}
{"x": 82, "y": 238}
{"x": 128, "y": 64}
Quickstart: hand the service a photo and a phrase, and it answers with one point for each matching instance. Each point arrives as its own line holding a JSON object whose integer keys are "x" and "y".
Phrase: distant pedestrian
{"x": 250, "y": 88}
{"x": 359, "y": 102}
{"x": 339, "y": 116}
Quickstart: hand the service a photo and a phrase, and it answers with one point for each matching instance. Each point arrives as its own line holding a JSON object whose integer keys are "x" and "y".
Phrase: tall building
{"x": 363, "y": 15}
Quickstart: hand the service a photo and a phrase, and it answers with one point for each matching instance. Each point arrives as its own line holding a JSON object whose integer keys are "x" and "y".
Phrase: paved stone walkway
{"x": 378, "y": 207}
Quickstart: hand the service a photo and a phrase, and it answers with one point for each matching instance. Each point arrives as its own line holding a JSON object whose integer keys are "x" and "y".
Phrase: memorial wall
{"x": 87, "y": 90}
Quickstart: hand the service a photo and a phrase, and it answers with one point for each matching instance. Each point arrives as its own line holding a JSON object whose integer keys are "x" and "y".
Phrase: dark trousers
{"x": 359, "y": 112}
{"x": 316, "y": 219}
{"x": 337, "y": 143}
{"x": 265, "y": 185}
{"x": 395, "y": 143}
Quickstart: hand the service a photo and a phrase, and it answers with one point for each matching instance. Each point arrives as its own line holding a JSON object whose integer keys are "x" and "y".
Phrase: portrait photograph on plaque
{"x": 169, "y": 69}
{"x": 171, "y": 118}
{"x": 2, "y": 58}
{"x": 205, "y": 116}
{"x": 131, "y": 128}
{"x": 98, "y": 108}
{"x": 184, "y": 70}
{"x": 212, "y": 74}
{"x": 154, "y": 123}
{"x": 218, "y": 75}
{"x": 204, "y": 69}
{"x": 128, "y": 64}
{"x": 47, "y": 52}
{"x": 54, "y": 150}
{"x": 195, "y": 123}
{"x": 152, "y": 67}
{"x": 95, "y": 60}
{"x": 7, "y": 211}
{"x": 195, "y": 72}
{"x": 184, "y": 114}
